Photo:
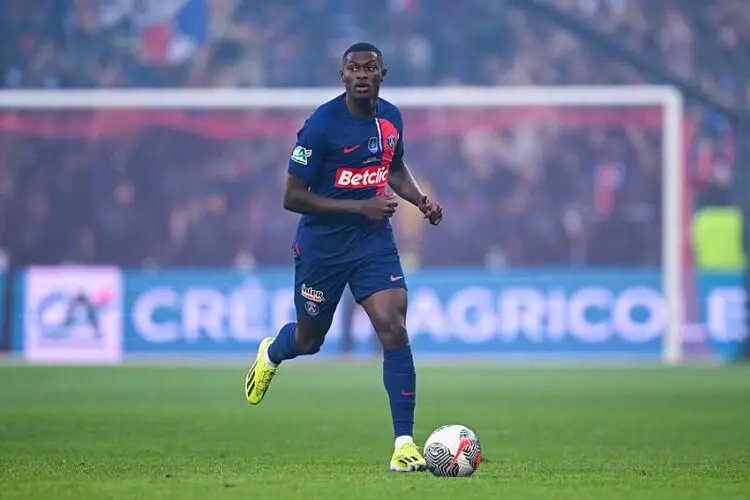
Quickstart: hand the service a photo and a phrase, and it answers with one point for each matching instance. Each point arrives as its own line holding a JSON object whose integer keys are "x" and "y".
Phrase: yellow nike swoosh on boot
{"x": 259, "y": 375}
{"x": 408, "y": 459}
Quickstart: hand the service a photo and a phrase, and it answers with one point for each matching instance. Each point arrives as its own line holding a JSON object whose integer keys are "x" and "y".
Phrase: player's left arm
{"x": 404, "y": 185}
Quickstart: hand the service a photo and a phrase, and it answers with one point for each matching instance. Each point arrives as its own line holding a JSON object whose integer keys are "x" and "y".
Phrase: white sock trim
{"x": 268, "y": 360}
{"x": 402, "y": 440}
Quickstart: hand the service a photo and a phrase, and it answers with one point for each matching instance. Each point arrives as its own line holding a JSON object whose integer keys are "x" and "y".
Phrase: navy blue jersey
{"x": 342, "y": 156}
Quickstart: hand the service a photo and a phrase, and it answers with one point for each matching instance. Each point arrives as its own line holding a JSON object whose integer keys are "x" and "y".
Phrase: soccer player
{"x": 346, "y": 154}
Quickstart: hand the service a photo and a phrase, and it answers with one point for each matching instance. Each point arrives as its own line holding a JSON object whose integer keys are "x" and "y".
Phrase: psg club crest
{"x": 391, "y": 142}
{"x": 312, "y": 308}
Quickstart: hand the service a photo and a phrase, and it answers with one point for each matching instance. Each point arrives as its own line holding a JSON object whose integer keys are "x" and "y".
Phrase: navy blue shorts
{"x": 318, "y": 288}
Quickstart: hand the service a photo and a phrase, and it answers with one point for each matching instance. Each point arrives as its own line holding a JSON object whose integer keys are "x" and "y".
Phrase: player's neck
{"x": 362, "y": 108}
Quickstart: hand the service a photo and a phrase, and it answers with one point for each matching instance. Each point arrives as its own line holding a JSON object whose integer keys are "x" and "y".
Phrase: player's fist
{"x": 379, "y": 208}
{"x": 431, "y": 210}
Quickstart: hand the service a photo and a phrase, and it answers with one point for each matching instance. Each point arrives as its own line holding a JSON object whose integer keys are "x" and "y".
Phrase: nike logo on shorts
{"x": 396, "y": 278}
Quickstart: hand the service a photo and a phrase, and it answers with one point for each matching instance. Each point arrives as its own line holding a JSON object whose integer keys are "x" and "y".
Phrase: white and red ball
{"x": 453, "y": 451}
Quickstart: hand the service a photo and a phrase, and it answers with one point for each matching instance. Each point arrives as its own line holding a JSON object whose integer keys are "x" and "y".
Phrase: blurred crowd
{"x": 547, "y": 192}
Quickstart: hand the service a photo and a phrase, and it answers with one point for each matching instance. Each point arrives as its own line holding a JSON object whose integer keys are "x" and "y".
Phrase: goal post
{"x": 668, "y": 99}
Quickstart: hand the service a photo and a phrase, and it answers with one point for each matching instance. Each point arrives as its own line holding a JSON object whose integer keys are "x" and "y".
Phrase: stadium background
{"x": 137, "y": 234}
{"x": 190, "y": 209}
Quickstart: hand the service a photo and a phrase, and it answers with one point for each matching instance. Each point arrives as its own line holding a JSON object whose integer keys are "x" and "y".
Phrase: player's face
{"x": 362, "y": 73}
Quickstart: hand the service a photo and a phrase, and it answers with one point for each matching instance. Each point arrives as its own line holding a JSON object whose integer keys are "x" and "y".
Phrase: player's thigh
{"x": 317, "y": 292}
{"x": 379, "y": 285}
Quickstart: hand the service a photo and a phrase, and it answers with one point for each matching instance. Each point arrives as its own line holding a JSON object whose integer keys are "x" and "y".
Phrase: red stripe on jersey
{"x": 389, "y": 136}
{"x": 389, "y": 139}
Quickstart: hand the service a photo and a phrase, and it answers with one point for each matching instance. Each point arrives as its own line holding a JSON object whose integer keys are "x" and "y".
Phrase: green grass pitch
{"x": 323, "y": 432}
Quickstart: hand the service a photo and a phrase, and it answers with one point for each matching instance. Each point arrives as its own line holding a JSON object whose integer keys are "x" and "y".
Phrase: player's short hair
{"x": 363, "y": 47}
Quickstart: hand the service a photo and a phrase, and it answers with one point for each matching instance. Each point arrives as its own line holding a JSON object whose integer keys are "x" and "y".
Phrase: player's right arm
{"x": 306, "y": 166}
{"x": 299, "y": 199}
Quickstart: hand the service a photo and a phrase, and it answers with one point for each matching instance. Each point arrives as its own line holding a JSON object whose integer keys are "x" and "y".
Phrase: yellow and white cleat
{"x": 408, "y": 459}
{"x": 259, "y": 375}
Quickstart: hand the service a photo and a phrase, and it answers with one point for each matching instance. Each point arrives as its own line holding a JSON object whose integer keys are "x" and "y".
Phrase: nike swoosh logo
{"x": 396, "y": 278}
{"x": 404, "y": 393}
{"x": 350, "y": 149}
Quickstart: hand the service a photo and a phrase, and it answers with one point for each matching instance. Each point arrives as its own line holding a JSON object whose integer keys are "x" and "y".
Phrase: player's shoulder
{"x": 325, "y": 112}
{"x": 319, "y": 122}
{"x": 388, "y": 110}
{"x": 387, "y": 107}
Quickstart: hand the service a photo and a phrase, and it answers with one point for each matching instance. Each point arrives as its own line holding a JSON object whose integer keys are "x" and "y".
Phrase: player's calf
{"x": 387, "y": 312}
{"x": 302, "y": 338}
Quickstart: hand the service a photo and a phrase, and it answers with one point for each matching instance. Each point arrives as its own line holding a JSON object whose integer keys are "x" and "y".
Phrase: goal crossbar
{"x": 294, "y": 98}
{"x": 668, "y": 98}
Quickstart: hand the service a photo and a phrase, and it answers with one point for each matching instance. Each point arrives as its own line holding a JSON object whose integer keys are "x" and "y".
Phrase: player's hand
{"x": 431, "y": 210}
{"x": 379, "y": 208}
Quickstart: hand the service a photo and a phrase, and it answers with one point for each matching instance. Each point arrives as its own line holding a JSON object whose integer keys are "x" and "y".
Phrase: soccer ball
{"x": 452, "y": 451}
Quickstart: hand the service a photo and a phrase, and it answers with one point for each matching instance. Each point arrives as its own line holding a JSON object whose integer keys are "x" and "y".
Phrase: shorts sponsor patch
{"x": 311, "y": 294}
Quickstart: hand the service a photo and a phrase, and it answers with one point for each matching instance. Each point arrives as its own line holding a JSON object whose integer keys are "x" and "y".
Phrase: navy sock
{"x": 284, "y": 347}
{"x": 400, "y": 380}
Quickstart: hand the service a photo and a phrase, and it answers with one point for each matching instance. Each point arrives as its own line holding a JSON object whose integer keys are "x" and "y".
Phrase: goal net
{"x": 564, "y": 230}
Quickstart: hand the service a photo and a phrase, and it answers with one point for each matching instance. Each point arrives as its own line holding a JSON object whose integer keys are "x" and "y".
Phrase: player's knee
{"x": 309, "y": 345}
{"x": 392, "y": 333}
{"x": 309, "y": 338}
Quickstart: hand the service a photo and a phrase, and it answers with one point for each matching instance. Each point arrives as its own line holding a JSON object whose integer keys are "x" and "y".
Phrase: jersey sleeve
{"x": 308, "y": 156}
{"x": 399, "y": 153}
